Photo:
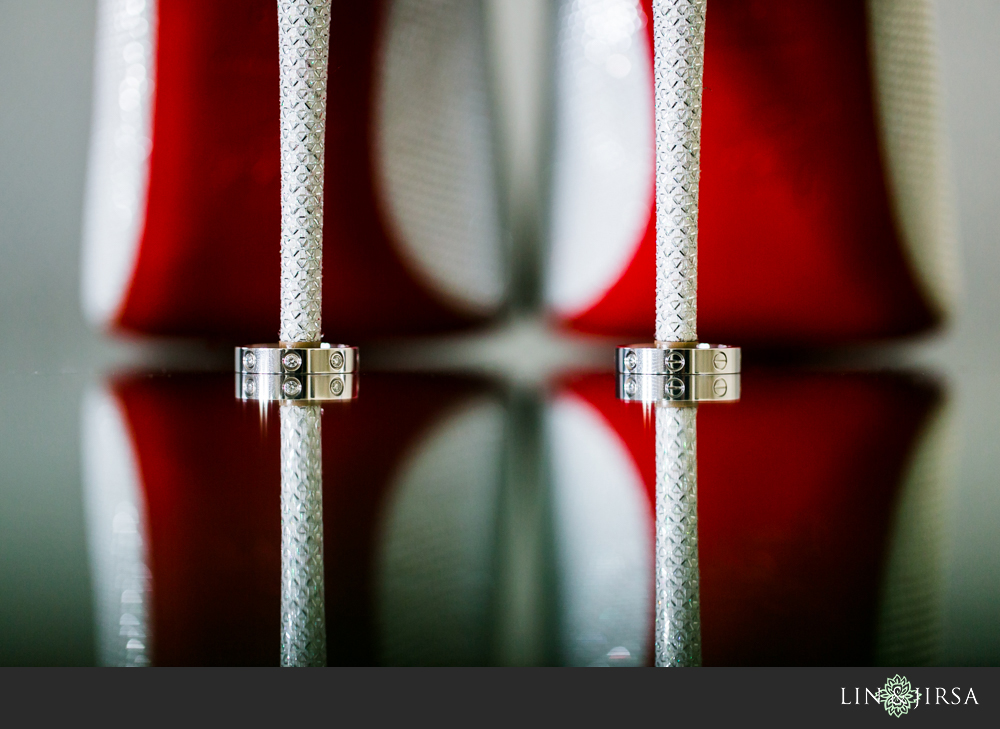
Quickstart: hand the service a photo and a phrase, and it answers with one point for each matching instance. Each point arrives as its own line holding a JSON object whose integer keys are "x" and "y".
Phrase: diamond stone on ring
{"x": 297, "y": 389}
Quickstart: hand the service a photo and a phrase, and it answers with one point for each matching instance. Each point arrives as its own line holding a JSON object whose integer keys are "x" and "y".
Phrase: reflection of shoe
{"x": 410, "y": 498}
{"x": 184, "y": 241}
{"x": 819, "y": 517}
{"x": 823, "y": 216}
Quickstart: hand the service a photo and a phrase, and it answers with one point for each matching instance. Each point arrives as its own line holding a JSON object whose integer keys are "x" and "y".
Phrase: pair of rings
{"x": 678, "y": 373}
{"x": 296, "y": 372}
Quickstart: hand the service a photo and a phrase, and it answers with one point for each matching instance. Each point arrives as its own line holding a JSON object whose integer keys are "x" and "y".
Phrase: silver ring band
{"x": 678, "y": 359}
{"x": 296, "y": 388}
{"x": 678, "y": 389}
{"x": 277, "y": 359}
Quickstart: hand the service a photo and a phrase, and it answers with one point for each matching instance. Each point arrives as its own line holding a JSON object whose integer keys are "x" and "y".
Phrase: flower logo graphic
{"x": 897, "y": 696}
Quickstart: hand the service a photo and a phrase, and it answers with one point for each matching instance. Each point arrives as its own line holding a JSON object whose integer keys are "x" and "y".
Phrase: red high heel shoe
{"x": 824, "y": 207}
{"x": 182, "y": 212}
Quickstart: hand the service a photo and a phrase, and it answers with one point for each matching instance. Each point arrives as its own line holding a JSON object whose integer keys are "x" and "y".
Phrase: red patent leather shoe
{"x": 181, "y": 229}
{"x": 824, "y": 209}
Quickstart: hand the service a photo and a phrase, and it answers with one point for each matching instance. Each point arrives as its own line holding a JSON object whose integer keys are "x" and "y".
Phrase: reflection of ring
{"x": 276, "y": 359}
{"x": 296, "y": 388}
{"x": 678, "y": 389}
{"x": 678, "y": 359}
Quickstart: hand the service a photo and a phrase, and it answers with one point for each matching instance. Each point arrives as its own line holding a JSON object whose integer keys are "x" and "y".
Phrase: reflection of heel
{"x": 303, "y": 595}
{"x": 678, "y": 594}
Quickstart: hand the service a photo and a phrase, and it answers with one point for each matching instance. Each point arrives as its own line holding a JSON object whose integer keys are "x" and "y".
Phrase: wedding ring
{"x": 682, "y": 358}
{"x": 678, "y": 389}
{"x": 296, "y": 388}
{"x": 279, "y": 359}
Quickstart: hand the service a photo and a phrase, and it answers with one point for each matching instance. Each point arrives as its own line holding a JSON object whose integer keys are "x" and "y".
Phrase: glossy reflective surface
{"x": 459, "y": 520}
